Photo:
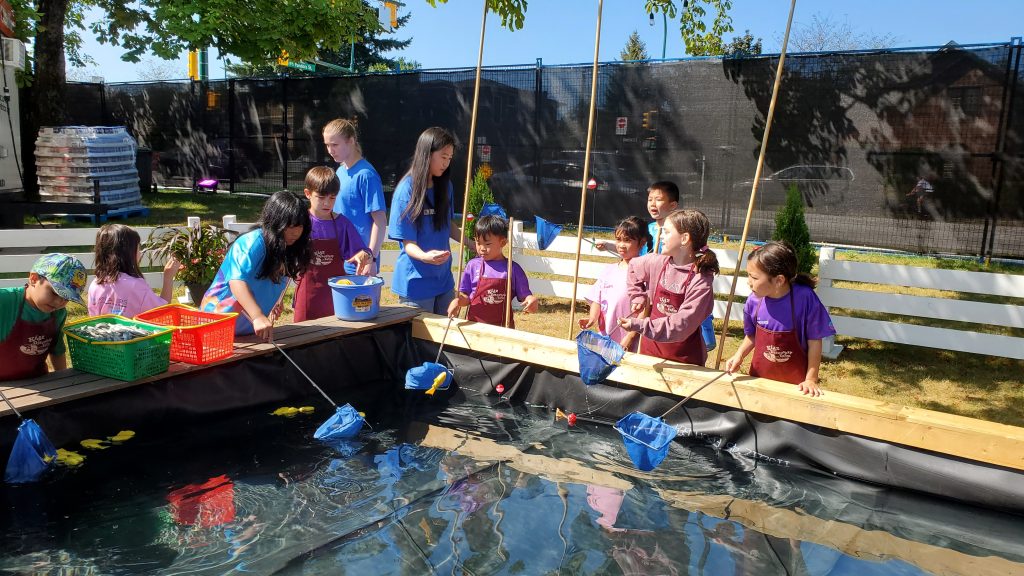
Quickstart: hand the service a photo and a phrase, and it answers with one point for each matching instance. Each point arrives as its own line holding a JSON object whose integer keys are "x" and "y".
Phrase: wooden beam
{"x": 967, "y": 438}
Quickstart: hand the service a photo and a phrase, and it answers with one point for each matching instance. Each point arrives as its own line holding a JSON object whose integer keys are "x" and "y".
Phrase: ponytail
{"x": 778, "y": 258}
{"x": 697, "y": 225}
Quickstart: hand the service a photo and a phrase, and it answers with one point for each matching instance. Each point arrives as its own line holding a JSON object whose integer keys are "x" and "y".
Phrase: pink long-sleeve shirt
{"x": 697, "y": 304}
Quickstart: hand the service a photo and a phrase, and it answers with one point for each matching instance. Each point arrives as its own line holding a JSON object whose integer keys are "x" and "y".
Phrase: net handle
{"x": 11, "y": 406}
{"x": 684, "y": 400}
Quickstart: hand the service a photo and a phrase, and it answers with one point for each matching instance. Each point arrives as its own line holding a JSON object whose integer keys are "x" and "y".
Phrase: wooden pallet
{"x": 71, "y": 384}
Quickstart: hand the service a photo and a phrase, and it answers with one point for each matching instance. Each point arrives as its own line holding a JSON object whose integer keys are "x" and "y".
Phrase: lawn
{"x": 971, "y": 385}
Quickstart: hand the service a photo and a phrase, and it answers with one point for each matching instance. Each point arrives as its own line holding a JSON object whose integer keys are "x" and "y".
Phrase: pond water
{"x": 472, "y": 490}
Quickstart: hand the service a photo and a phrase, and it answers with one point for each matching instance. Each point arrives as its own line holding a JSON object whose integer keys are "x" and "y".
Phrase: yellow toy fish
{"x": 286, "y": 411}
{"x": 438, "y": 380}
{"x": 345, "y": 282}
{"x": 94, "y": 444}
{"x": 306, "y": 409}
{"x": 69, "y": 458}
{"x": 122, "y": 436}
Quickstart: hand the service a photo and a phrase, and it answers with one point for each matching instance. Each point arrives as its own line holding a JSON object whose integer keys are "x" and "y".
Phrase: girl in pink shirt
{"x": 119, "y": 287}
{"x": 608, "y": 297}
{"x": 677, "y": 285}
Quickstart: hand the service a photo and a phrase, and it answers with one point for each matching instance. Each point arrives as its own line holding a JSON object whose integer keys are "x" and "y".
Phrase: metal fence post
{"x": 231, "y": 136}
{"x": 284, "y": 134}
{"x": 999, "y": 160}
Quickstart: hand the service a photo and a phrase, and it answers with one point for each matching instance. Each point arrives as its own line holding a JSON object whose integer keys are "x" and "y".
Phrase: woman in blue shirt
{"x": 421, "y": 221}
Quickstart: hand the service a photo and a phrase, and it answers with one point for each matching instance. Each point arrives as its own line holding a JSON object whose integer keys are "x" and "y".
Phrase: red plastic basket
{"x": 199, "y": 337}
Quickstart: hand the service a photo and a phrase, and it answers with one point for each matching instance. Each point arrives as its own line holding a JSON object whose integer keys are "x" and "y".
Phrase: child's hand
{"x": 436, "y": 256}
{"x": 810, "y": 388}
{"x": 172, "y": 266}
{"x": 454, "y": 308}
{"x": 531, "y": 304}
{"x": 586, "y": 323}
{"x": 276, "y": 312}
{"x": 363, "y": 261}
{"x": 639, "y": 303}
{"x": 264, "y": 328}
{"x": 733, "y": 364}
{"x": 605, "y": 246}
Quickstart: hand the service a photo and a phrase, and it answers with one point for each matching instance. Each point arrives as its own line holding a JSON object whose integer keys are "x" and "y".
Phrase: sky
{"x": 562, "y": 31}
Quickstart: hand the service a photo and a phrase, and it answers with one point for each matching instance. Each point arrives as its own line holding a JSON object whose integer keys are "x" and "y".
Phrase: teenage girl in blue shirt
{"x": 256, "y": 269}
{"x": 421, "y": 221}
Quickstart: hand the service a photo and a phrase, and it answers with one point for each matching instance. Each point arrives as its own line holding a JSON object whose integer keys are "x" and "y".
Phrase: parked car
{"x": 821, "y": 186}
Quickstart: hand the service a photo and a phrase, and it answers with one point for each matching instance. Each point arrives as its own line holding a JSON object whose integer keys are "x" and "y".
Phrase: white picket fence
{"x": 20, "y": 248}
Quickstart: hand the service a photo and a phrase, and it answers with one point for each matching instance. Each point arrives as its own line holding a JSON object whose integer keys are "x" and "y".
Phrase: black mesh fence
{"x": 854, "y": 133}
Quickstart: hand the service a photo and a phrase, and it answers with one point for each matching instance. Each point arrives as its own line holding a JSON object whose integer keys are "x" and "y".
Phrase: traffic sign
{"x": 620, "y": 125}
{"x": 592, "y": 184}
{"x": 307, "y": 66}
{"x": 485, "y": 152}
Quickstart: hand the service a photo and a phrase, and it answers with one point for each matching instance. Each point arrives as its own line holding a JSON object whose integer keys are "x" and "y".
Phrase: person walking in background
{"x": 783, "y": 320}
{"x": 676, "y": 284}
{"x": 922, "y": 191}
{"x": 608, "y": 297}
{"x": 485, "y": 278}
{"x": 256, "y": 269}
{"x": 361, "y": 196}
{"x": 32, "y": 317}
{"x": 336, "y": 243}
{"x": 119, "y": 286}
{"x": 421, "y": 222}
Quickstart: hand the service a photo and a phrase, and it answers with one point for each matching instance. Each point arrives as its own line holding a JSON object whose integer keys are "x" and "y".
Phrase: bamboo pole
{"x": 757, "y": 179}
{"x": 586, "y": 169}
{"x": 472, "y": 141}
{"x": 508, "y": 274}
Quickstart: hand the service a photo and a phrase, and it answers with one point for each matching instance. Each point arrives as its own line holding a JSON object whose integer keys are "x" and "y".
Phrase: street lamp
{"x": 664, "y": 32}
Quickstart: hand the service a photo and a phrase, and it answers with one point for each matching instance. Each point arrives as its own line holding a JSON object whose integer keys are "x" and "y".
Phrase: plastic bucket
{"x": 356, "y": 297}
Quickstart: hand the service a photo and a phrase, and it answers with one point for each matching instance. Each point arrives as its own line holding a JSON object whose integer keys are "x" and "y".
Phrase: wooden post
{"x": 508, "y": 275}
{"x": 829, "y": 348}
{"x": 472, "y": 142}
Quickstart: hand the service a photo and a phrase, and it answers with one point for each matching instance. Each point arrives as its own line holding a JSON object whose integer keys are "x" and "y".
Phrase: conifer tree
{"x": 791, "y": 226}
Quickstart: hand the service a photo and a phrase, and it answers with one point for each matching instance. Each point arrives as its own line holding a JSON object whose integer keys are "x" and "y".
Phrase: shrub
{"x": 791, "y": 226}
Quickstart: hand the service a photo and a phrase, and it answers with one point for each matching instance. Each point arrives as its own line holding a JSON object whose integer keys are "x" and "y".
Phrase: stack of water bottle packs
{"x": 70, "y": 161}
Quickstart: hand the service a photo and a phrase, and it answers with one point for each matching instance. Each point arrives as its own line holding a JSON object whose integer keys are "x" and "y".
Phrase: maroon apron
{"x": 488, "y": 303}
{"x": 689, "y": 351}
{"x": 313, "y": 296}
{"x": 26, "y": 347}
{"x": 778, "y": 354}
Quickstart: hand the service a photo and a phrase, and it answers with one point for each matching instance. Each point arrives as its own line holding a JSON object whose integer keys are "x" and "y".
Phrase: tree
{"x": 743, "y": 45}
{"x": 157, "y": 69}
{"x": 823, "y": 34}
{"x": 400, "y": 64}
{"x": 791, "y": 226}
{"x": 692, "y": 28}
{"x": 635, "y": 49}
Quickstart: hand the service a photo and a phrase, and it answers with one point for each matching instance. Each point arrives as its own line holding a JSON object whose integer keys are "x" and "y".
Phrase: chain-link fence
{"x": 911, "y": 149}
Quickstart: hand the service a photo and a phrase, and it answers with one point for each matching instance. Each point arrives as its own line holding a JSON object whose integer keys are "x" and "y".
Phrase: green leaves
{"x": 200, "y": 250}
{"x": 512, "y": 12}
{"x": 693, "y": 24}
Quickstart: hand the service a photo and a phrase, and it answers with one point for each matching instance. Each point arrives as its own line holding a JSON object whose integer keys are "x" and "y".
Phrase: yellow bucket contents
{"x": 69, "y": 458}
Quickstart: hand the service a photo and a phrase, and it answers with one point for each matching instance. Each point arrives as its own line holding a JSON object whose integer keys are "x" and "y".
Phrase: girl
{"x": 335, "y": 242}
{"x": 677, "y": 286}
{"x": 256, "y": 269}
{"x": 783, "y": 320}
{"x": 608, "y": 296}
{"x": 421, "y": 221}
{"x": 119, "y": 287}
{"x": 362, "y": 196}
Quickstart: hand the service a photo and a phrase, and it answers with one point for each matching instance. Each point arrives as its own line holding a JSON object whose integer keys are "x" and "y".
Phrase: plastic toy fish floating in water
{"x": 438, "y": 380}
{"x": 94, "y": 444}
{"x": 500, "y": 388}
{"x": 122, "y": 436}
{"x": 69, "y": 458}
{"x": 107, "y": 332}
{"x": 286, "y": 411}
{"x": 569, "y": 418}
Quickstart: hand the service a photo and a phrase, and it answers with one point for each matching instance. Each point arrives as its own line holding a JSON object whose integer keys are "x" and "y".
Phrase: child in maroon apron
{"x": 335, "y": 241}
{"x": 783, "y": 321}
{"x": 55, "y": 280}
{"x": 676, "y": 284}
{"x": 485, "y": 280}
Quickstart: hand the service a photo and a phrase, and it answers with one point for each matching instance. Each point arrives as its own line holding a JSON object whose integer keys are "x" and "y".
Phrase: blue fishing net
{"x": 599, "y": 355}
{"x": 422, "y": 377}
{"x": 546, "y": 232}
{"x": 31, "y": 455}
{"x": 647, "y": 439}
{"x": 491, "y": 209}
{"x": 345, "y": 423}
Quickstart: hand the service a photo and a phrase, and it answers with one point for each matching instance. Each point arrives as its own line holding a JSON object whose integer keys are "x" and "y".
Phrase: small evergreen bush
{"x": 791, "y": 226}
{"x": 479, "y": 194}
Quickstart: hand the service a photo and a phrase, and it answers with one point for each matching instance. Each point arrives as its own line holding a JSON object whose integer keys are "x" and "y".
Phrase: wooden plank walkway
{"x": 71, "y": 384}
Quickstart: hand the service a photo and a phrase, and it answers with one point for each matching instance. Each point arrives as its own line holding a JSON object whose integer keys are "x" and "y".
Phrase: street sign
{"x": 592, "y": 184}
{"x": 620, "y": 126}
{"x": 485, "y": 152}
{"x": 307, "y": 66}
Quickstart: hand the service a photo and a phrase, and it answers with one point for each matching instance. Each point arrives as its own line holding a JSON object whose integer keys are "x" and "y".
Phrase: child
{"x": 119, "y": 287}
{"x": 421, "y": 221}
{"x": 335, "y": 242}
{"x": 608, "y": 299}
{"x": 485, "y": 278}
{"x": 255, "y": 271}
{"x": 677, "y": 286}
{"x": 783, "y": 320}
{"x": 361, "y": 199}
{"x": 32, "y": 317}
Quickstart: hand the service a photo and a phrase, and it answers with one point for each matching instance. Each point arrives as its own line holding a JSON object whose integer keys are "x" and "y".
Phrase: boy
{"x": 32, "y": 317}
{"x": 335, "y": 243}
{"x": 662, "y": 200}
{"x": 361, "y": 197}
{"x": 485, "y": 279}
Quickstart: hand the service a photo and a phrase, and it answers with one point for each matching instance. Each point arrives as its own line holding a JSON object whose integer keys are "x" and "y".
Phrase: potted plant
{"x": 200, "y": 250}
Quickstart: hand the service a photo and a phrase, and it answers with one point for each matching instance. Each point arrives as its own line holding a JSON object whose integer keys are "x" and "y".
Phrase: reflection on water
{"x": 476, "y": 491}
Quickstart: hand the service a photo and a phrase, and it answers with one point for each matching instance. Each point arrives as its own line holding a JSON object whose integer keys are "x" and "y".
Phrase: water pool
{"x": 472, "y": 489}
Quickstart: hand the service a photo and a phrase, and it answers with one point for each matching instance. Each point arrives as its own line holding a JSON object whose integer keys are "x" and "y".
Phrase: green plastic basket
{"x": 126, "y": 360}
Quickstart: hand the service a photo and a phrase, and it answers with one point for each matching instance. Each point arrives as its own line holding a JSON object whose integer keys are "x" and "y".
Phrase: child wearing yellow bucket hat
{"x": 32, "y": 316}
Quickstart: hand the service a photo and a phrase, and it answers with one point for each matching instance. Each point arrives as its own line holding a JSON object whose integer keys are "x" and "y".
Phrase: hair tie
{"x": 703, "y": 249}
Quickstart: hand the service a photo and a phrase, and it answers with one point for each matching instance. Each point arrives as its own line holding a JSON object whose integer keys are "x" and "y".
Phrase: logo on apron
{"x": 362, "y": 303}
{"x": 776, "y": 354}
{"x": 322, "y": 258}
{"x": 36, "y": 345}
{"x": 493, "y": 296}
{"x": 666, "y": 307}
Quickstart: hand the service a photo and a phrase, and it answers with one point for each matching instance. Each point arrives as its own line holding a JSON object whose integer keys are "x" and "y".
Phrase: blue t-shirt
{"x": 413, "y": 279}
{"x": 242, "y": 262}
{"x": 652, "y": 229}
{"x": 361, "y": 193}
